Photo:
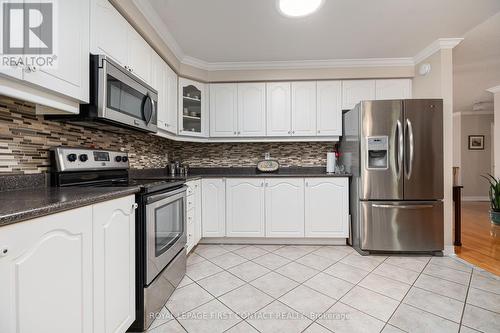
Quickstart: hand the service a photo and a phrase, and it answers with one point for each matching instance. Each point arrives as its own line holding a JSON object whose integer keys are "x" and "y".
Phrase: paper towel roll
{"x": 330, "y": 162}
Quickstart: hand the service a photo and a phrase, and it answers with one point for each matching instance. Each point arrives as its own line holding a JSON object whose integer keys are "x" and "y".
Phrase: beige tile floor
{"x": 273, "y": 288}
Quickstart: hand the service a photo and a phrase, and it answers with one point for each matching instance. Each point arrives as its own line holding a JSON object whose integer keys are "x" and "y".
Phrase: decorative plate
{"x": 268, "y": 166}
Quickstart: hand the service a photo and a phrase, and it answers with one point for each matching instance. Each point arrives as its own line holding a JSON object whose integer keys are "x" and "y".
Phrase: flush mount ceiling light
{"x": 298, "y": 8}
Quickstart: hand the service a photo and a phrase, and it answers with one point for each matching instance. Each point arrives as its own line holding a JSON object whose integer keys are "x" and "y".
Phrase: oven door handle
{"x": 165, "y": 195}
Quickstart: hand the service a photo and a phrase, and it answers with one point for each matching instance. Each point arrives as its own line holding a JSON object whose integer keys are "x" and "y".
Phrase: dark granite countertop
{"x": 29, "y": 203}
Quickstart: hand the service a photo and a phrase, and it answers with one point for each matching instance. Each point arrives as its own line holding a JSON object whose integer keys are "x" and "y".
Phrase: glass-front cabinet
{"x": 192, "y": 108}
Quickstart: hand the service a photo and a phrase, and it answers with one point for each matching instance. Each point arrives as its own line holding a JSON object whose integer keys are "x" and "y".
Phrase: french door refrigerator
{"x": 395, "y": 148}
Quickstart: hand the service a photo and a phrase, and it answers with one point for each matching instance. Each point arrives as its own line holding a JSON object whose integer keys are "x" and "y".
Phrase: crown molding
{"x": 494, "y": 90}
{"x": 438, "y": 44}
{"x": 302, "y": 64}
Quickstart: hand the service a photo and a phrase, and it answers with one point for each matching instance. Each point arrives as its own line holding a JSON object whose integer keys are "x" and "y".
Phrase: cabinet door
{"x": 393, "y": 89}
{"x": 46, "y": 275}
{"x": 329, "y": 108}
{"x": 304, "y": 108}
{"x": 158, "y": 74}
{"x": 190, "y": 230}
{"x": 70, "y": 77}
{"x": 213, "y": 207}
{"x": 170, "y": 100}
{"x": 355, "y": 91}
{"x": 285, "y": 207}
{"x": 192, "y": 102}
{"x": 139, "y": 55}
{"x": 326, "y": 207}
{"x": 245, "y": 207}
{"x": 114, "y": 264}
{"x": 108, "y": 31}
{"x": 197, "y": 211}
{"x": 223, "y": 107}
{"x": 251, "y": 109}
{"x": 279, "y": 111}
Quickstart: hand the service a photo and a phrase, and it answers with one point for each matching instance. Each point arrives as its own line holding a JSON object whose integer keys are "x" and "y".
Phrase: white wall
{"x": 476, "y": 162}
{"x": 496, "y": 106}
{"x": 457, "y": 144}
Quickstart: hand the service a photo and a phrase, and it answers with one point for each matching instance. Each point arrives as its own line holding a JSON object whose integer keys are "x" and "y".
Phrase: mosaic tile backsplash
{"x": 26, "y": 138}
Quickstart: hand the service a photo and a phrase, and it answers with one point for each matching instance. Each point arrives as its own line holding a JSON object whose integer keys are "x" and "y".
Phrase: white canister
{"x": 330, "y": 162}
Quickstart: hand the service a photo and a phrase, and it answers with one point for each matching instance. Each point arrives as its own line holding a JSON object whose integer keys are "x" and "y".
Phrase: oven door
{"x": 124, "y": 98}
{"x": 165, "y": 230}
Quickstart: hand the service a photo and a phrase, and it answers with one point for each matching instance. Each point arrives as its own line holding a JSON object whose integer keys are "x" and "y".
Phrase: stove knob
{"x": 118, "y": 158}
{"x": 71, "y": 157}
{"x": 83, "y": 157}
{"x": 124, "y": 159}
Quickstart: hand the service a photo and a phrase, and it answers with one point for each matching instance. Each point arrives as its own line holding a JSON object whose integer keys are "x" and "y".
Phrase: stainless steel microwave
{"x": 117, "y": 98}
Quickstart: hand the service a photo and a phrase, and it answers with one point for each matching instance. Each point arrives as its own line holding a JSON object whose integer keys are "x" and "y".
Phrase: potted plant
{"x": 494, "y": 193}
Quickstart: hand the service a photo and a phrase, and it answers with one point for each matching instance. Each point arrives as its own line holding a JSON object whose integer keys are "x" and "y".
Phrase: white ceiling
{"x": 253, "y": 30}
{"x": 476, "y": 65}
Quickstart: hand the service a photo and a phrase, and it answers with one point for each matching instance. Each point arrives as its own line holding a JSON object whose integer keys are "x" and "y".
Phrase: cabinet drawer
{"x": 190, "y": 202}
{"x": 190, "y": 217}
{"x": 190, "y": 190}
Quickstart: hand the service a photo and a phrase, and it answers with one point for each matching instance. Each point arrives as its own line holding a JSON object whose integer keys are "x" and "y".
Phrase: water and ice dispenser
{"x": 378, "y": 152}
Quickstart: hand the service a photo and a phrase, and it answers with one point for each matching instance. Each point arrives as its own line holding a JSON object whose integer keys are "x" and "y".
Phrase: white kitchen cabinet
{"x": 355, "y": 91}
{"x": 213, "y": 207}
{"x": 114, "y": 37}
{"x": 329, "y": 108}
{"x": 193, "y": 213}
{"x": 109, "y": 31}
{"x": 192, "y": 105}
{"x": 46, "y": 274}
{"x": 251, "y": 109}
{"x": 326, "y": 207}
{"x": 245, "y": 208}
{"x": 223, "y": 110}
{"x": 304, "y": 108}
{"x": 139, "y": 55}
{"x": 114, "y": 264}
{"x": 164, "y": 80}
{"x": 284, "y": 207}
{"x": 279, "y": 110}
{"x": 392, "y": 89}
{"x": 71, "y": 75}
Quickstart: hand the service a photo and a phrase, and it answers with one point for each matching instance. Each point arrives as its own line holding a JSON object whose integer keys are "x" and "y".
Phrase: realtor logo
{"x": 28, "y": 33}
{"x": 27, "y": 28}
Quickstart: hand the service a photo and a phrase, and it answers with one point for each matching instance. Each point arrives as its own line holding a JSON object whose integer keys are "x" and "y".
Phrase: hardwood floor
{"x": 480, "y": 238}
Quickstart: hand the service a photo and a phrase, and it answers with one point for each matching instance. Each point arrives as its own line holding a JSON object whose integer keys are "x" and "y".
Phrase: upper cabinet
{"x": 393, "y": 89}
{"x": 279, "y": 110}
{"x": 164, "y": 80}
{"x": 329, "y": 108}
{"x": 223, "y": 106}
{"x": 355, "y": 91}
{"x": 304, "y": 108}
{"x": 192, "y": 108}
{"x": 113, "y": 36}
{"x": 252, "y": 109}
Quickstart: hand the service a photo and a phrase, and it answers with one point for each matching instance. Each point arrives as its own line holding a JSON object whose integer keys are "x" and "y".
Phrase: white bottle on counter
{"x": 330, "y": 162}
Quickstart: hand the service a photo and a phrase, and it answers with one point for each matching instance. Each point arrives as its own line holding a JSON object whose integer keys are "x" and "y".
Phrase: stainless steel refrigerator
{"x": 395, "y": 151}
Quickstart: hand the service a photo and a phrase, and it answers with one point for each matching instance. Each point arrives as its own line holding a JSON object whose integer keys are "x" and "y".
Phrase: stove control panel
{"x": 79, "y": 159}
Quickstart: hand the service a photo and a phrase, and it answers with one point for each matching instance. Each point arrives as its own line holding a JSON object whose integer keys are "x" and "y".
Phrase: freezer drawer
{"x": 406, "y": 226}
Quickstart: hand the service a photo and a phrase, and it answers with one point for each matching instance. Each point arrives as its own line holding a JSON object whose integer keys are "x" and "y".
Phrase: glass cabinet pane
{"x": 191, "y": 109}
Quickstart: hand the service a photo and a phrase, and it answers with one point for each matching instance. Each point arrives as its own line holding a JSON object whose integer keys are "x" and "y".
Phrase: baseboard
{"x": 472, "y": 198}
{"x": 280, "y": 241}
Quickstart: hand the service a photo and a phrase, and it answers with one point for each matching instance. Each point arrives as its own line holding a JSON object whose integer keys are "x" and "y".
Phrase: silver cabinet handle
{"x": 293, "y": 132}
{"x": 409, "y": 166}
{"x": 319, "y": 131}
{"x": 399, "y": 148}
{"x": 262, "y": 184}
{"x": 134, "y": 207}
{"x": 126, "y": 67}
{"x": 307, "y": 184}
{"x": 402, "y": 206}
{"x": 239, "y": 132}
{"x": 234, "y": 133}
{"x": 4, "y": 251}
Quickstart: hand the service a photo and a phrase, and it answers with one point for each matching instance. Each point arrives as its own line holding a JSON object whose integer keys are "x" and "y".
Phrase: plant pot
{"x": 495, "y": 217}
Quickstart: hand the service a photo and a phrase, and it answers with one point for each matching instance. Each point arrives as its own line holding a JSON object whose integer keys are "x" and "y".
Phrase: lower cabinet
{"x": 193, "y": 214}
{"x": 245, "y": 208}
{"x": 114, "y": 265}
{"x": 70, "y": 272}
{"x": 284, "y": 207}
{"x": 213, "y": 214}
{"x": 326, "y": 207}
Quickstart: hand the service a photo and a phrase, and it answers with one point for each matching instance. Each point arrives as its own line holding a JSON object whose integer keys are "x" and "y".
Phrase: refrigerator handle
{"x": 399, "y": 148}
{"x": 402, "y": 206}
{"x": 411, "y": 143}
